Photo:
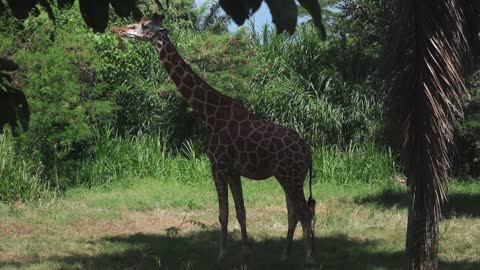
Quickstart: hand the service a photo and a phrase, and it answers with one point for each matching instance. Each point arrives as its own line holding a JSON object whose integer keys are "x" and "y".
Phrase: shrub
{"x": 151, "y": 111}
{"x": 59, "y": 80}
{"x": 467, "y": 159}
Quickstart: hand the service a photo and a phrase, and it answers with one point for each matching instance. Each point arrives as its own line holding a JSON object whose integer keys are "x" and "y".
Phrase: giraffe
{"x": 239, "y": 143}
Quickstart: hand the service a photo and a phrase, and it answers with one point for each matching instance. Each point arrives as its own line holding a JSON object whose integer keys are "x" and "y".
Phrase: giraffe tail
{"x": 311, "y": 201}
{"x": 311, "y": 206}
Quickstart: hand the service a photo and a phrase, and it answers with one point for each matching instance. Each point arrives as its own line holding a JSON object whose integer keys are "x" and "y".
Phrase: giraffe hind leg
{"x": 292, "y": 224}
{"x": 294, "y": 190}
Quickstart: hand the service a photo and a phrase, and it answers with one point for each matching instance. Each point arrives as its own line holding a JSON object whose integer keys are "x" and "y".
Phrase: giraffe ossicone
{"x": 239, "y": 142}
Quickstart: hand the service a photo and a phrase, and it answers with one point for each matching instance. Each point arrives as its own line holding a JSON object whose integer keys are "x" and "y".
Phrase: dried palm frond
{"x": 427, "y": 55}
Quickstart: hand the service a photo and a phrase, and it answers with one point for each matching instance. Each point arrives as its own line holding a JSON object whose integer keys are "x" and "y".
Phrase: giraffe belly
{"x": 255, "y": 169}
{"x": 258, "y": 173}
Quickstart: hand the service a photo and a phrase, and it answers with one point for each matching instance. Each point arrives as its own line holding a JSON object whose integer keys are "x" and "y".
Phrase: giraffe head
{"x": 146, "y": 29}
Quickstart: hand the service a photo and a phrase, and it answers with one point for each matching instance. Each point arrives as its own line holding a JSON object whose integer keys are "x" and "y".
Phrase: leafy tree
{"x": 14, "y": 108}
{"x": 94, "y": 12}
{"x": 330, "y": 12}
{"x": 284, "y": 12}
{"x": 65, "y": 98}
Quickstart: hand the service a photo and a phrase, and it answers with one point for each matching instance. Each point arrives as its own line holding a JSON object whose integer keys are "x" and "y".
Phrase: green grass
{"x": 136, "y": 224}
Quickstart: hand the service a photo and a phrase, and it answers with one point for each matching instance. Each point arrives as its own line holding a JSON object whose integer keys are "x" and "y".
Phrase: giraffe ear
{"x": 157, "y": 18}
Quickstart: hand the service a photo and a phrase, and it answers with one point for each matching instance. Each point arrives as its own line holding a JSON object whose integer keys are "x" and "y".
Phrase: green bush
{"x": 66, "y": 100}
{"x": 145, "y": 110}
{"x": 467, "y": 158}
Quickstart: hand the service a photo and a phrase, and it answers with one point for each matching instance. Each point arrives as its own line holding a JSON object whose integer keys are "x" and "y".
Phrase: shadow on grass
{"x": 459, "y": 204}
{"x": 198, "y": 250}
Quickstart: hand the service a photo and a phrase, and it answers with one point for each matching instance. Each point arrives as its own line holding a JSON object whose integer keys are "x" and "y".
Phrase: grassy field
{"x": 156, "y": 223}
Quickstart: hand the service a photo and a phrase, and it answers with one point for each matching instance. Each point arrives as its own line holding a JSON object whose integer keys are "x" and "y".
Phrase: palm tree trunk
{"x": 422, "y": 235}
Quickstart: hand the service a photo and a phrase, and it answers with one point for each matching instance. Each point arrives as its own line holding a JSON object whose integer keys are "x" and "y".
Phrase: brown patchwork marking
{"x": 188, "y": 81}
{"x": 163, "y": 54}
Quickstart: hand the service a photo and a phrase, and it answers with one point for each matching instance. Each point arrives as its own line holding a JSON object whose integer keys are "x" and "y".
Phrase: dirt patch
{"x": 14, "y": 230}
{"x": 155, "y": 221}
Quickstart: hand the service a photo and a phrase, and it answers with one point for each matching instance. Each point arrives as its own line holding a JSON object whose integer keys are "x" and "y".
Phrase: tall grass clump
{"x": 115, "y": 158}
{"x": 284, "y": 101}
{"x": 118, "y": 158}
{"x": 345, "y": 102}
{"x": 355, "y": 164}
{"x": 20, "y": 179}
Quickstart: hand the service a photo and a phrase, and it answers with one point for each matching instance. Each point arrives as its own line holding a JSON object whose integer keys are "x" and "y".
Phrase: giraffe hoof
{"x": 221, "y": 256}
{"x": 247, "y": 252}
{"x": 310, "y": 260}
{"x": 284, "y": 257}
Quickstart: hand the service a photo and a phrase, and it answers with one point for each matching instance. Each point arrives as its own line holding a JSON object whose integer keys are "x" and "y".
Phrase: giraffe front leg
{"x": 222, "y": 193}
{"x": 236, "y": 188}
{"x": 292, "y": 224}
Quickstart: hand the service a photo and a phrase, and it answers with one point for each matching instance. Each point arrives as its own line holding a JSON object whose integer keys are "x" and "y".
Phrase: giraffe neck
{"x": 201, "y": 97}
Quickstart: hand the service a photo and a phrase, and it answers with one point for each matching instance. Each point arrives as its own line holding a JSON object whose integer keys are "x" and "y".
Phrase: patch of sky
{"x": 259, "y": 19}
{"x": 262, "y": 16}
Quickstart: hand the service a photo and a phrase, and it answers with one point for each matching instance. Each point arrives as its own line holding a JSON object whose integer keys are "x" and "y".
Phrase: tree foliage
{"x": 96, "y": 12}
{"x": 284, "y": 12}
